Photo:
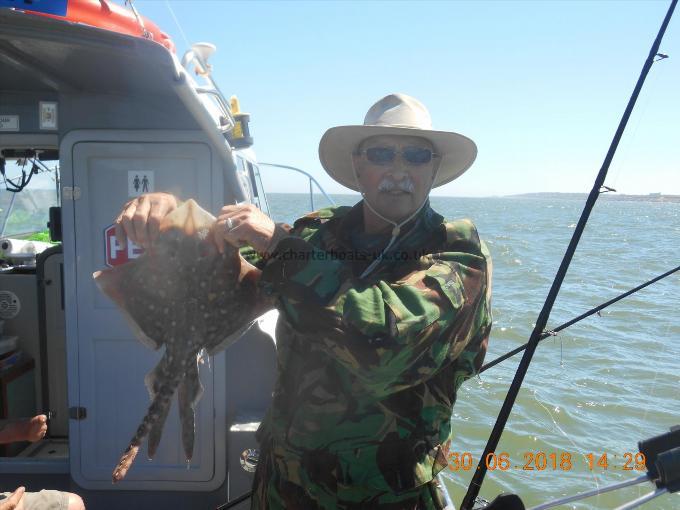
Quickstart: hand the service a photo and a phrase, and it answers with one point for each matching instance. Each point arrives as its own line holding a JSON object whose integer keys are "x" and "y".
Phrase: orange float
{"x": 102, "y": 14}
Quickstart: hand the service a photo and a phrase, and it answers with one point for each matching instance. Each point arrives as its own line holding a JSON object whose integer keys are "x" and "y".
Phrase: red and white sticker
{"x": 115, "y": 253}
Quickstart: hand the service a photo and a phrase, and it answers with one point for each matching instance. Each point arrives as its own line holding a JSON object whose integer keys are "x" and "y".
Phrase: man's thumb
{"x": 14, "y": 499}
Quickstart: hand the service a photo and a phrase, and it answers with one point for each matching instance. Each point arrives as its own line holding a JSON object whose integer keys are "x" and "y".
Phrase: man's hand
{"x": 36, "y": 428}
{"x": 243, "y": 224}
{"x": 13, "y": 502}
{"x": 141, "y": 217}
{"x": 29, "y": 429}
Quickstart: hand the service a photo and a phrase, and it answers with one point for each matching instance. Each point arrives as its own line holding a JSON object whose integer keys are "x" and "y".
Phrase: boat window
{"x": 240, "y": 164}
{"x": 25, "y": 213}
{"x": 242, "y": 174}
{"x": 251, "y": 173}
{"x": 258, "y": 188}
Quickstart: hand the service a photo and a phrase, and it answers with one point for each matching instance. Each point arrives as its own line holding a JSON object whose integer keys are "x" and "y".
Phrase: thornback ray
{"x": 185, "y": 295}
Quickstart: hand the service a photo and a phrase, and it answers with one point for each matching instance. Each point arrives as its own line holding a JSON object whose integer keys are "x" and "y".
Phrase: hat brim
{"x": 338, "y": 144}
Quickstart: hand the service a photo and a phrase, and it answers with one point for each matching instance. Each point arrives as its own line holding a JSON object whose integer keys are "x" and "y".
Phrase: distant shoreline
{"x": 653, "y": 197}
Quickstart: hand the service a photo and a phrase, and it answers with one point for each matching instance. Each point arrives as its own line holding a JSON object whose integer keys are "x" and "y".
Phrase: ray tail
{"x": 153, "y": 382}
{"x": 153, "y": 414}
{"x": 188, "y": 394}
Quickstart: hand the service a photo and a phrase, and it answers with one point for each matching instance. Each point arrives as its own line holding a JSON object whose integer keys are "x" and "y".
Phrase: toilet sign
{"x": 115, "y": 254}
{"x": 140, "y": 182}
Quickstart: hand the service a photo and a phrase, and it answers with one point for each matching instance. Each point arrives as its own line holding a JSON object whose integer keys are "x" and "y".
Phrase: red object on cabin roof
{"x": 110, "y": 16}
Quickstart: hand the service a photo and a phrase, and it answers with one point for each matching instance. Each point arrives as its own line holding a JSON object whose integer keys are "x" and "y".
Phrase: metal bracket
{"x": 70, "y": 193}
{"x": 77, "y": 413}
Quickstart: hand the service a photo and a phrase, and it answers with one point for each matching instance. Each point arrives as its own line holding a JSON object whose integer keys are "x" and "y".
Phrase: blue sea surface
{"x": 599, "y": 386}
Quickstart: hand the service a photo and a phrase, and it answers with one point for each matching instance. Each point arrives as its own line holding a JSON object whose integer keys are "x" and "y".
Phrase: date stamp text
{"x": 550, "y": 461}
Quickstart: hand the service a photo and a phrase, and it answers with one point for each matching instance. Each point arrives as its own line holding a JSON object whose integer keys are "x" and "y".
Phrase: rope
{"x": 181, "y": 30}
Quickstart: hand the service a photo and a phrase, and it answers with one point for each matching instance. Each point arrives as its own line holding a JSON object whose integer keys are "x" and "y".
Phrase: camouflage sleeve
{"x": 399, "y": 334}
{"x": 249, "y": 253}
{"x": 252, "y": 256}
{"x": 390, "y": 335}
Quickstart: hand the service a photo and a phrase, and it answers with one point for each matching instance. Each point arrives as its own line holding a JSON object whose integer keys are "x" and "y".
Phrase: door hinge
{"x": 70, "y": 193}
{"x": 77, "y": 413}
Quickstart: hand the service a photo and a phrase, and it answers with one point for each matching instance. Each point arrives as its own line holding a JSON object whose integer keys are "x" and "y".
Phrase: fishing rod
{"x": 544, "y": 315}
{"x": 662, "y": 462}
{"x": 660, "y": 457}
{"x": 592, "y": 311}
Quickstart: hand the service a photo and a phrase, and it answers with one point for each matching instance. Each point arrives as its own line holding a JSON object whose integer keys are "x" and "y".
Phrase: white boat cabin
{"x": 107, "y": 116}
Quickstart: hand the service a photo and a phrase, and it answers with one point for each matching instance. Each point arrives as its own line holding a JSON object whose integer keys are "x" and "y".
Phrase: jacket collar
{"x": 424, "y": 223}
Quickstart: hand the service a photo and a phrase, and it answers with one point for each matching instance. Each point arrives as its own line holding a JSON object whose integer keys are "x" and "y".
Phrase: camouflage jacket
{"x": 368, "y": 369}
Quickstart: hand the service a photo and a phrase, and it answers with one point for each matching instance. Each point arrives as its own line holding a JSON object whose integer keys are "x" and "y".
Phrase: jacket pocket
{"x": 395, "y": 465}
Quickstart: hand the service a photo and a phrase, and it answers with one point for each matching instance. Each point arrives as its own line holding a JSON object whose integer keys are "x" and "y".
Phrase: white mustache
{"x": 403, "y": 185}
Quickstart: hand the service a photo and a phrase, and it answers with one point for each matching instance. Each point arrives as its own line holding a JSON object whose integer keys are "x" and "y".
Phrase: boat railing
{"x": 227, "y": 124}
{"x": 312, "y": 182}
{"x": 198, "y": 56}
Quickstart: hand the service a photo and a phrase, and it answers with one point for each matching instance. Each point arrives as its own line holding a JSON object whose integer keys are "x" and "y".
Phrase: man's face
{"x": 395, "y": 173}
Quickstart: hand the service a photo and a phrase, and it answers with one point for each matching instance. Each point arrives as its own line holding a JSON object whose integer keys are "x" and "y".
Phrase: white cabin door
{"x": 110, "y": 363}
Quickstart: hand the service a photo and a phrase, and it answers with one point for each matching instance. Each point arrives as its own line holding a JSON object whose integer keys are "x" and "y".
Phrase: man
{"x": 33, "y": 429}
{"x": 384, "y": 312}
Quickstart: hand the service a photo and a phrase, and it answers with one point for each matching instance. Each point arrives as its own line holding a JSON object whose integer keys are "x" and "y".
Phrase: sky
{"x": 540, "y": 86}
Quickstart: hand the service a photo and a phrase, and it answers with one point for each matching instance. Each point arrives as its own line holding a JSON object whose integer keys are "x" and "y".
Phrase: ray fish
{"x": 185, "y": 295}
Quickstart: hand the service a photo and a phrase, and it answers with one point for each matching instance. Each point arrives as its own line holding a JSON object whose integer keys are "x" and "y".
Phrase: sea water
{"x": 597, "y": 387}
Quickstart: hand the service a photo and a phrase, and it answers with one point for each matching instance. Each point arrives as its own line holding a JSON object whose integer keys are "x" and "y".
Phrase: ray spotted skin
{"x": 185, "y": 295}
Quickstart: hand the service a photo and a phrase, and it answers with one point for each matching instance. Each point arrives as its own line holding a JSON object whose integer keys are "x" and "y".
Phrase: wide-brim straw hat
{"x": 396, "y": 114}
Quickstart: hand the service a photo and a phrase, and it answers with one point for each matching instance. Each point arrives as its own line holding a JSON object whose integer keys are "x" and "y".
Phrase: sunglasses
{"x": 386, "y": 155}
